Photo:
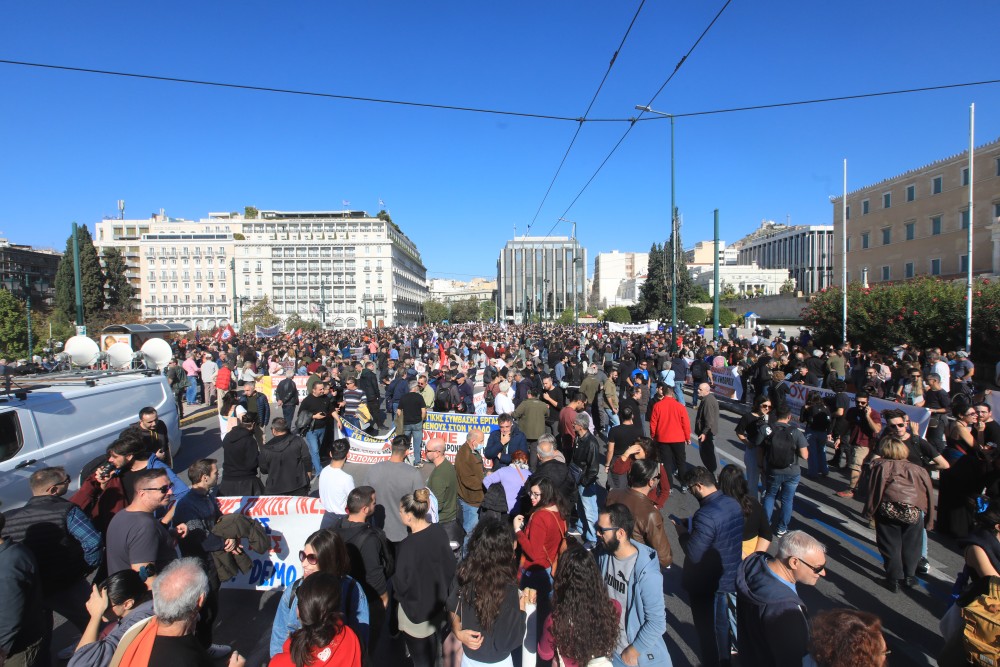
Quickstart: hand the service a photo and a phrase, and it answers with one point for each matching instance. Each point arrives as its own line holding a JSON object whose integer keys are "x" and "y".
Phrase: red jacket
{"x": 343, "y": 651}
{"x": 99, "y": 505}
{"x": 540, "y": 538}
{"x": 223, "y": 379}
{"x": 669, "y": 422}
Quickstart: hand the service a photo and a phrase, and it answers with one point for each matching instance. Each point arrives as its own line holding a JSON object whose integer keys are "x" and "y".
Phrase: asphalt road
{"x": 853, "y": 576}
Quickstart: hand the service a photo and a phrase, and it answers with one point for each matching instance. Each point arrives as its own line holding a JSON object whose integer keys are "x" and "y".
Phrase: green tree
{"x": 487, "y": 310}
{"x": 618, "y": 314}
{"x": 726, "y": 292}
{"x": 120, "y": 292}
{"x": 727, "y": 317}
{"x": 466, "y": 310}
{"x": 654, "y": 295}
{"x": 250, "y": 212}
{"x": 295, "y": 321}
{"x": 565, "y": 318}
{"x": 787, "y": 287}
{"x": 91, "y": 279}
{"x": 693, "y": 315}
{"x": 699, "y": 294}
{"x": 13, "y": 326}
{"x": 434, "y": 312}
{"x": 260, "y": 314}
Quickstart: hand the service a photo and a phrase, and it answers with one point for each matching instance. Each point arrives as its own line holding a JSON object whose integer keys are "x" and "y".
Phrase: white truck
{"x": 69, "y": 419}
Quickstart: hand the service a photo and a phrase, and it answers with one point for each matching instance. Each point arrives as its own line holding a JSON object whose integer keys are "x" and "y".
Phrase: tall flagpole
{"x": 968, "y": 277}
{"x": 843, "y": 255}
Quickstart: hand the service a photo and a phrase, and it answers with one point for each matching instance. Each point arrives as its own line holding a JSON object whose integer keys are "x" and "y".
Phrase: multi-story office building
{"x": 917, "y": 223}
{"x": 342, "y": 268}
{"x": 744, "y": 279}
{"x": 540, "y": 277}
{"x": 23, "y": 268}
{"x": 611, "y": 271}
{"x": 805, "y": 251}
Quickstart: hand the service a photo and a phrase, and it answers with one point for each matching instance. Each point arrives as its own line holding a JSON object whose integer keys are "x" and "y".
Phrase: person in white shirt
{"x": 334, "y": 483}
{"x": 941, "y": 368}
{"x": 503, "y": 404}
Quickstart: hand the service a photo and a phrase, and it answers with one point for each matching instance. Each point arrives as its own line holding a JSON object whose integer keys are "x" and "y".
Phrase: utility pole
{"x": 27, "y": 306}
{"x": 322, "y": 299}
{"x": 232, "y": 269}
{"x": 715, "y": 301}
{"x": 76, "y": 275}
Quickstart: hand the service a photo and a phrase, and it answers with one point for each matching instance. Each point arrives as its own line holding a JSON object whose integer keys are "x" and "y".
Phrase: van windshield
{"x": 10, "y": 435}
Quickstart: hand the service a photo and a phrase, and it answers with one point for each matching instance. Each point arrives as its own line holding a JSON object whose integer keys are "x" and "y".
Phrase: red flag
{"x": 298, "y": 332}
{"x": 226, "y": 334}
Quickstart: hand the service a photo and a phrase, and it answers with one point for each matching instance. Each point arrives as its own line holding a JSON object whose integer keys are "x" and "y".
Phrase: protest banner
{"x": 268, "y": 332}
{"x": 726, "y": 383}
{"x": 797, "y": 394}
{"x": 454, "y": 428}
{"x": 647, "y": 327}
{"x": 288, "y": 521}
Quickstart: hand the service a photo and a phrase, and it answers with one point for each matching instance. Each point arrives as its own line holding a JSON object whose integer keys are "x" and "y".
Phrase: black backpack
{"x": 387, "y": 560}
{"x": 698, "y": 369}
{"x": 442, "y": 400}
{"x": 780, "y": 448}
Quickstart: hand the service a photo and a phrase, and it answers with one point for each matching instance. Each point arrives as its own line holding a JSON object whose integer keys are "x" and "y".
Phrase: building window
{"x": 886, "y": 199}
{"x": 848, "y": 244}
{"x": 963, "y": 264}
{"x": 996, "y": 210}
{"x": 911, "y": 192}
{"x": 936, "y": 185}
{"x": 909, "y": 269}
{"x": 887, "y": 236}
{"x": 935, "y": 225}
{"x": 864, "y": 207}
{"x": 885, "y": 273}
{"x": 965, "y": 219}
{"x": 910, "y": 230}
{"x": 864, "y": 240}
{"x": 935, "y": 267}
{"x": 848, "y": 212}
{"x": 965, "y": 176}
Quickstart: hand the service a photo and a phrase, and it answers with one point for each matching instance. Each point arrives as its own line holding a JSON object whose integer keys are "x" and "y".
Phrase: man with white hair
{"x": 178, "y": 595}
{"x": 772, "y": 620}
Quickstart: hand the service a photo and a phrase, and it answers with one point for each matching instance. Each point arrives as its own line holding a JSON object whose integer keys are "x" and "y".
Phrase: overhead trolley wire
{"x": 590, "y": 106}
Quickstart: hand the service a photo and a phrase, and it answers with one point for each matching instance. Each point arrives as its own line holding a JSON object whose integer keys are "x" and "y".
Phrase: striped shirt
{"x": 352, "y": 399}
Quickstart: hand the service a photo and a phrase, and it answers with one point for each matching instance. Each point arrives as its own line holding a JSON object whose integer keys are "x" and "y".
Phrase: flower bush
{"x": 926, "y": 312}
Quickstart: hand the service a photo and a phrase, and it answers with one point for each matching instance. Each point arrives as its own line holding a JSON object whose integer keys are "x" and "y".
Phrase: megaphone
{"x": 120, "y": 355}
{"x": 156, "y": 353}
{"x": 82, "y": 351}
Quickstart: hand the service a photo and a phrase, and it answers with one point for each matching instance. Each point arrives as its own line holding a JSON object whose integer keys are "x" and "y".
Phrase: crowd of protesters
{"x": 556, "y": 513}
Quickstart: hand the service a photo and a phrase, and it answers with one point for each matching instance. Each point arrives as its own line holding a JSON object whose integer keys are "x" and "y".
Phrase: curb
{"x": 196, "y": 416}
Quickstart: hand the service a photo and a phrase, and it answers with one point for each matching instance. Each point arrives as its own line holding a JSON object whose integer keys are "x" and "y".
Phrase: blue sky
{"x": 72, "y": 144}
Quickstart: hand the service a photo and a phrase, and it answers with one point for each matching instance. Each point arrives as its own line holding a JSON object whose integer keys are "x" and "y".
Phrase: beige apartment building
{"x": 916, "y": 224}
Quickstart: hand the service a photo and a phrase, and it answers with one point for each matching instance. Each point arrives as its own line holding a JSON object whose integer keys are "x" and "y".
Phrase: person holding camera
{"x": 865, "y": 424}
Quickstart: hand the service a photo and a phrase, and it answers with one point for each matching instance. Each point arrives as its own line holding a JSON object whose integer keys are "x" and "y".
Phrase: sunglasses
{"x": 817, "y": 569}
{"x": 765, "y": 405}
{"x": 898, "y": 425}
{"x": 599, "y": 529}
{"x": 161, "y": 489}
{"x": 861, "y": 405}
{"x": 312, "y": 559}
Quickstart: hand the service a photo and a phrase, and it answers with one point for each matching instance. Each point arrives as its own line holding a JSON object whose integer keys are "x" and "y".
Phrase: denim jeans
{"x": 469, "y": 518}
{"x": 817, "y": 453}
{"x": 314, "y": 439}
{"x": 784, "y": 485}
{"x": 416, "y": 434}
{"x": 753, "y": 469}
{"x": 192, "y": 389}
{"x": 612, "y": 419}
{"x": 679, "y": 390}
{"x": 716, "y": 634}
{"x": 587, "y": 511}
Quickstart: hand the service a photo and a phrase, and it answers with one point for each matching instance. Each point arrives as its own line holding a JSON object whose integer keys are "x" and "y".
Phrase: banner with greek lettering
{"x": 288, "y": 521}
{"x": 269, "y": 332}
{"x": 726, "y": 383}
{"x": 615, "y": 327}
{"x": 798, "y": 393}
{"x": 454, "y": 428}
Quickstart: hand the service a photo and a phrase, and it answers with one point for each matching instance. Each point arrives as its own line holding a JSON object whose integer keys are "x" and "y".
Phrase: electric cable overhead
{"x": 309, "y": 93}
{"x": 586, "y": 113}
{"x": 677, "y": 68}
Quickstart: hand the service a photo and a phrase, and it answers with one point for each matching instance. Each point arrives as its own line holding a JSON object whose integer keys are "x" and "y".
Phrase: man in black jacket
{"x": 22, "y": 621}
{"x": 585, "y": 461}
{"x": 368, "y": 383}
{"x": 772, "y": 621}
{"x": 287, "y": 396}
{"x": 286, "y": 461}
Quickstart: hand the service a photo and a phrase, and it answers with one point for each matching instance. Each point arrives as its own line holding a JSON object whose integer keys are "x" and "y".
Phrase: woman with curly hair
{"x": 847, "y": 638}
{"x": 584, "y": 620}
{"x": 323, "y": 640}
{"x": 486, "y": 608}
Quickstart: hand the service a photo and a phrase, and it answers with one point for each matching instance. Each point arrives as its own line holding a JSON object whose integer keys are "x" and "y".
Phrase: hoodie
{"x": 285, "y": 460}
{"x": 344, "y": 650}
{"x": 772, "y": 621}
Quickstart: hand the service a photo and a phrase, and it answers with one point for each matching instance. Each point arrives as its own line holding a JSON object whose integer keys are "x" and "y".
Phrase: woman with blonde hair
{"x": 899, "y": 496}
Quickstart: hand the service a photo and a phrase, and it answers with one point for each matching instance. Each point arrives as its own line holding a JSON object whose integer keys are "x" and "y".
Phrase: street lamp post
{"x": 322, "y": 300}
{"x": 673, "y": 226}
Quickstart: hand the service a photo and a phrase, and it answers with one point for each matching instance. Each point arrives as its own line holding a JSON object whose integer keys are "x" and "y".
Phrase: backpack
{"x": 386, "y": 559}
{"x": 494, "y": 500}
{"x": 698, "y": 369}
{"x": 779, "y": 448}
{"x": 981, "y": 618}
{"x": 442, "y": 400}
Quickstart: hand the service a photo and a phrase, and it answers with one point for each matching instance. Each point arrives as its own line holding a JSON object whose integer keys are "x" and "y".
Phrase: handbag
{"x": 897, "y": 511}
{"x": 303, "y": 423}
{"x": 575, "y": 472}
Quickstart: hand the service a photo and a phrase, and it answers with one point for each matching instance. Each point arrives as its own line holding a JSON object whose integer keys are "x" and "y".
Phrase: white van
{"x": 69, "y": 419}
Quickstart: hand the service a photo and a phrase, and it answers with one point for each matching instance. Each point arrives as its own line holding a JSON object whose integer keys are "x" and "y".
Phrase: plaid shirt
{"x": 83, "y": 531}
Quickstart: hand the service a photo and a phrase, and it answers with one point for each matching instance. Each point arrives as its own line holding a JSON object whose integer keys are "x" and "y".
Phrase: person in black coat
{"x": 240, "y": 458}
{"x": 286, "y": 461}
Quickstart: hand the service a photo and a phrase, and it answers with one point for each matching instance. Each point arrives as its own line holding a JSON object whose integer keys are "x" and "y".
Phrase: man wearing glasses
{"x": 771, "y": 619}
{"x": 136, "y": 540}
{"x": 865, "y": 424}
{"x": 63, "y": 540}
